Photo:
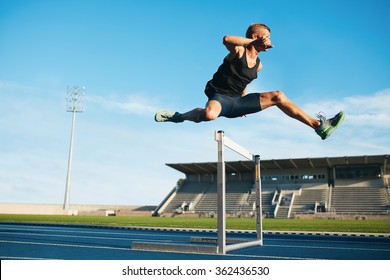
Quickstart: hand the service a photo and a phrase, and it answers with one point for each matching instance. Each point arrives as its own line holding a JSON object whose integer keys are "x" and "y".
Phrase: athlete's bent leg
{"x": 278, "y": 98}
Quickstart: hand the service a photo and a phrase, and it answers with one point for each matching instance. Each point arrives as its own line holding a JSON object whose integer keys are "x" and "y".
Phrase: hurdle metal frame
{"x": 224, "y": 141}
{"x": 223, "y": 245}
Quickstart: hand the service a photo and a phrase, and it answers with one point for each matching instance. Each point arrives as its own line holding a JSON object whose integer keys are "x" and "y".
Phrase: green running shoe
{"x": 167, "y": 116}
{"x": 328, "y": 125}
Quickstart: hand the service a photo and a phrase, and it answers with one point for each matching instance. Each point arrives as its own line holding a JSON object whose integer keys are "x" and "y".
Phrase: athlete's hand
{"x": 265, "y": 43}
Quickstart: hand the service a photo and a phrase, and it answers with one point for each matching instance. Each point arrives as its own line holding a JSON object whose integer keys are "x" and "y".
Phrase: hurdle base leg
{"x": 176, "y": 248}
{"x": 214, "y": 240}
{"x": 232, "y": 244}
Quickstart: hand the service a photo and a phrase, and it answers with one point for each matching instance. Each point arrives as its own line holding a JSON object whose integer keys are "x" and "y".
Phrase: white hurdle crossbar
{"x": 225, "y": 141}
{"x": 223, "y": 245}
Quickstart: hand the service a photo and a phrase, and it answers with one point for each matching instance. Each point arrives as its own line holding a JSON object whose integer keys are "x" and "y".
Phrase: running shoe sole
{"x": 335, "y": 123}
{"x": 164, "y": 115}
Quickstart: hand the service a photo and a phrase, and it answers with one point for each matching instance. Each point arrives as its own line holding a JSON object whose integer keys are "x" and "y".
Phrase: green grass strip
{"x": 366, "y": 226}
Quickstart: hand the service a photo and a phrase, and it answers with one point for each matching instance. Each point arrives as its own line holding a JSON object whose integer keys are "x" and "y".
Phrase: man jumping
{"x": 226, "y": 91}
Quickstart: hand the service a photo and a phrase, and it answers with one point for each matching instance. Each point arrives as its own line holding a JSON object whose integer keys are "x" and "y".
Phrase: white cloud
{"x": 369, "y": 111}
{"x": 12, "y": 86}
{"x": 378, "y": 101}
{"x": 137, "y": 104}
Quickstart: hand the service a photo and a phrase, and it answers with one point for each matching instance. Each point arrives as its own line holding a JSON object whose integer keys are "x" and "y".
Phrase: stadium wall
{"x": 76, "y": 209}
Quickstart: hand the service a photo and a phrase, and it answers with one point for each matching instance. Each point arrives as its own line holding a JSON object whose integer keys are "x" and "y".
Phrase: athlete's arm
{"x": 243, "y": 92}
{"x": 235, "y": 43}
{"x": 260, "y": 67}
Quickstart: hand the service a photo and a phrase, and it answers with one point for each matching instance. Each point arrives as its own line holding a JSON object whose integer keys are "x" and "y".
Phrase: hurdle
{"x": 224, "y": 245}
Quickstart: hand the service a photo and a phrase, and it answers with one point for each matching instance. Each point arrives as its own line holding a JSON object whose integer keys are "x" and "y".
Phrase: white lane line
{"x": 332, "y": 248}
{"x": 23, "y": 258}
{"x": 272, "y": 257}
{"x": 62, "y": 236}
{"x": 85, "y": 237}
{"x": 100, "y": 232}
{"x": 65, "y": 245}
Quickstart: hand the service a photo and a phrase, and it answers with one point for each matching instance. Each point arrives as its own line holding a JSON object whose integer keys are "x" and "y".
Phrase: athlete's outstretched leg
{"x": 323, "y": 127}
{"x": 211, "y": 112}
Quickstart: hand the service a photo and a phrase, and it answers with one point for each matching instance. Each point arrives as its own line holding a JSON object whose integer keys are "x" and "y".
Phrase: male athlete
{"x": 226, "y": 91}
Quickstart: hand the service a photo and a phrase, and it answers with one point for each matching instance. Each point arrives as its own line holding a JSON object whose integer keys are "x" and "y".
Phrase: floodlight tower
{"x": 74, "y": 104}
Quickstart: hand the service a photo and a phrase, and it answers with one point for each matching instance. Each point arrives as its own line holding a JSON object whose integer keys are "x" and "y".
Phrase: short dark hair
{"x": 255, "y": 27}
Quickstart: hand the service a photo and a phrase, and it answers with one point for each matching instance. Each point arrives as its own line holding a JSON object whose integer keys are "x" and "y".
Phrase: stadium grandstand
{"x": 354, "y": 186}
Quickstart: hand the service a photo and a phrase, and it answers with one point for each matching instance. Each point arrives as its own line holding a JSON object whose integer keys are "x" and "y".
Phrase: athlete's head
{"x": 257, "y": 30}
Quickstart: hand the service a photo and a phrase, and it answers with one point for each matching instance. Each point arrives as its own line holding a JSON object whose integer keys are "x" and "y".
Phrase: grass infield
{"x": 366, "y": 226}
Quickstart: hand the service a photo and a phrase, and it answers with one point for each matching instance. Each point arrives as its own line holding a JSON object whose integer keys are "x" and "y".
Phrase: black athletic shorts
{"x": 237, "y": 106}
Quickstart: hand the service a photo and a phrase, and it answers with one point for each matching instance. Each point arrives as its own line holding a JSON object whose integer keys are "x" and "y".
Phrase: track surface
{"x": 24, "y": 241}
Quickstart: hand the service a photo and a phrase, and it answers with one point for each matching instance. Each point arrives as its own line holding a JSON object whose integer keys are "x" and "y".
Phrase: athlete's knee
{"x": 210, "y": 114}
{"x": 279, "y": 97}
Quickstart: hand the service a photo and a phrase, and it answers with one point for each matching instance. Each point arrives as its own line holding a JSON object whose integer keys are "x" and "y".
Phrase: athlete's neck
{"x": 252, "y": 52}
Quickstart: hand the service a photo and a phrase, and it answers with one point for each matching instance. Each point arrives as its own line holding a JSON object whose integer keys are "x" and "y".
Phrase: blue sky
{"x": 135, "y": 57}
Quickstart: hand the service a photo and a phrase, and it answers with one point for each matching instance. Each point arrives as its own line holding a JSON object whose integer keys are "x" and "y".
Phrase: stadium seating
{"x": 305, "y": 202}
{"x": 360, "y": 199}
{"x": 281, "y": 201}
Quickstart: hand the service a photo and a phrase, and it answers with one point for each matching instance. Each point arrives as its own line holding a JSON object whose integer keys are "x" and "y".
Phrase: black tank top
{"x": 232, "y": 77}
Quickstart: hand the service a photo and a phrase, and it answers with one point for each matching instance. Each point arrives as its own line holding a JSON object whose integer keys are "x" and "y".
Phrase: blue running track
{"x": 27, "y": 241}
